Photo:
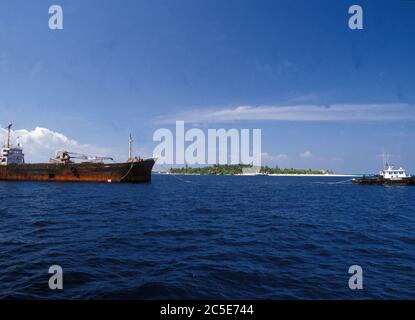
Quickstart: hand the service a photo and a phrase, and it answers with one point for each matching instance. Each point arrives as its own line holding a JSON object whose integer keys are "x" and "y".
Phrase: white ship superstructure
{"x": 390, "y": 173}
{"x": 9, "y": 154}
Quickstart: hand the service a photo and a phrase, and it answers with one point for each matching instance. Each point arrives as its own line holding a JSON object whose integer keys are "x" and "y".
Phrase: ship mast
{"x": 130, "y": 148}
{"x": 8, "y": 134}
{"x": 385, "y": 158}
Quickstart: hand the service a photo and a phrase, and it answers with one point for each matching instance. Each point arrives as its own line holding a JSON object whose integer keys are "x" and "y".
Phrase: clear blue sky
{"x": 121, "y": 66}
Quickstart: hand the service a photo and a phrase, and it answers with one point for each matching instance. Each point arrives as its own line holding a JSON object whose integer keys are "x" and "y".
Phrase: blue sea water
{"x": 207, "y": 237}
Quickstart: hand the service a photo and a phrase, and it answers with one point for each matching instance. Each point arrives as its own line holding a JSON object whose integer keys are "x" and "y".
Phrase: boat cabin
{"x": 391, "y": 173}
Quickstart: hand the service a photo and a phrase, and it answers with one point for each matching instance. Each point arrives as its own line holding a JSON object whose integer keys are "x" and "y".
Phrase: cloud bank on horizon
{"x": 336, "y": 112}
{"x": 40, "y": 144}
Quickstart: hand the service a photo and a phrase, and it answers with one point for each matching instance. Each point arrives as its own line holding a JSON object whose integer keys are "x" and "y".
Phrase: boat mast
{"x": 385, "y": 158}
{"x": 8, "y": 134}
{"x": 130, "y": 148}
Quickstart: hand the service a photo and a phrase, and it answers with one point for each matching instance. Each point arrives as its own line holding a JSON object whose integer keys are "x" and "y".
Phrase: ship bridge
{"x": 9, "y": 154}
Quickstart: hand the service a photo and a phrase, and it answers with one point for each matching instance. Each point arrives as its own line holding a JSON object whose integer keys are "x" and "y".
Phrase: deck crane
{"x": 66, "y": 156}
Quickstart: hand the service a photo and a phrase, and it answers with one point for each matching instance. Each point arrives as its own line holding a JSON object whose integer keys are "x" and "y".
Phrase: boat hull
{"x": 379, "y": 180}
{"x": 137, "y": 171}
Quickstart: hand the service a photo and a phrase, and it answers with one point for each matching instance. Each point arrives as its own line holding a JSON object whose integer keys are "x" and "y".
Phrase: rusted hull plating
{"x": 138, "y": 171}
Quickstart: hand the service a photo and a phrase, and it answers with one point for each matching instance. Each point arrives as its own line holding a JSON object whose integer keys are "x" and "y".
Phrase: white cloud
{"x": 335, "y": 112}
{"x": 41, "y": 144}
{"x": 281, "y": 157}
{"x": 306, "y": 154}
{"x": 269, "y": 159}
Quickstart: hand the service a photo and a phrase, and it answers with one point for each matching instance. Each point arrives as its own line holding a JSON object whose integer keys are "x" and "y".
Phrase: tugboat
{"x": 64, "y": 168}
{"x": 388, "y": 176}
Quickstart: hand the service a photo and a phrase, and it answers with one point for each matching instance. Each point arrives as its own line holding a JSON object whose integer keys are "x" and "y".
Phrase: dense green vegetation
{"x": 278, "y": 170}
{"x": 238, "y": 169}
{"x": 214, "y": 170}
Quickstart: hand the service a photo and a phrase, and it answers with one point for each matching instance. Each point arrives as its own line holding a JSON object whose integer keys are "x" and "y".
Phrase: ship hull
{"x": 137, "y": 171}
{"x": 378, "y": 180}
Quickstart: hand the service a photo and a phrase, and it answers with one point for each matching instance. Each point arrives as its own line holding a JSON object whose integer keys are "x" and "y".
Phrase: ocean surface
{"x": 207, "y": 237}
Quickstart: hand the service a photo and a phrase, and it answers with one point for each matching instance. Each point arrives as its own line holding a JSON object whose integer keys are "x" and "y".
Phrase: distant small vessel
{"x": 63, "y": 168}
{"x": 388, "y": 176}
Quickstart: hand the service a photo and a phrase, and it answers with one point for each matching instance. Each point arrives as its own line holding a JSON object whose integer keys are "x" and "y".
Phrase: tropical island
{"x": 242, "y": 169}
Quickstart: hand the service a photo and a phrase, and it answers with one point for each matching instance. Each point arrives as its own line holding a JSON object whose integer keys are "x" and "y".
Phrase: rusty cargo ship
{"x": 64, "y": 168}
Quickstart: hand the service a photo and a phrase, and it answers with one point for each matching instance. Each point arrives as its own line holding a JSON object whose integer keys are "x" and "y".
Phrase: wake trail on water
{"x": 348, "y": 181}
{"x": 173, "y": 175}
